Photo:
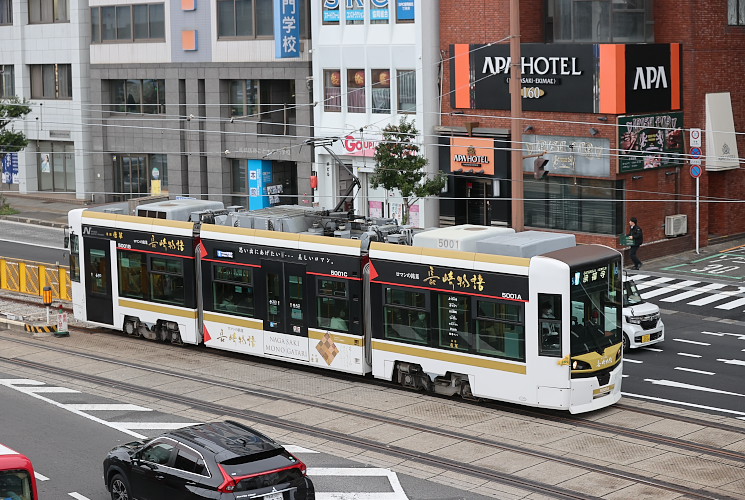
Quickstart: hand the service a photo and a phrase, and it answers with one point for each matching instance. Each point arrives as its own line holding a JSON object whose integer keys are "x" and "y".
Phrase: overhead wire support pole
{"x": 325, "y": 143}
{"x": 516, "y": 107}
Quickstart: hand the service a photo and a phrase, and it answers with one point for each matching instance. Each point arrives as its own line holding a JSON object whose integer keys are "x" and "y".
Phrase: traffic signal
{"x": 539, "y": 170}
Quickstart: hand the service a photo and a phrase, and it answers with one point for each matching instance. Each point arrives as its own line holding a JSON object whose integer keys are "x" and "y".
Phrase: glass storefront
{"x": 56, "y": 166}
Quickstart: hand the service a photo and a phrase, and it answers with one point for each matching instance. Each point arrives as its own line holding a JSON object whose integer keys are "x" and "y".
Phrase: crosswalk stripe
{"x": 693, "y": 293}
{"x": 654, "y": 282}
{"x": 668, "y": 289}
{"x": 150, "y": 425}
{"x": 106, "y": 406}
{"x": 731, "y": 305}
{"x": 716, "y": 297}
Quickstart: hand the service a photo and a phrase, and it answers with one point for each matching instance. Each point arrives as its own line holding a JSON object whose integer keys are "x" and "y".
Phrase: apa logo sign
{"x": 650, "y": 77}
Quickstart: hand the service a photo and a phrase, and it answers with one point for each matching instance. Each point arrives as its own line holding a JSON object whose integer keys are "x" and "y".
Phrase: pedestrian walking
{"x": 637, "y": 238}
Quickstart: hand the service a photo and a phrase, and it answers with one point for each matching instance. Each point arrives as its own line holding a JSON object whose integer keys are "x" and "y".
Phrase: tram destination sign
{"x": 451, "y": 279}
{"x": 143, "y": 241}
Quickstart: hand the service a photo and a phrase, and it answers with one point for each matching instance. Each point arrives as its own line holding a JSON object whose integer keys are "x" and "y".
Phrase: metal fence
{"x": 31, "y": 277}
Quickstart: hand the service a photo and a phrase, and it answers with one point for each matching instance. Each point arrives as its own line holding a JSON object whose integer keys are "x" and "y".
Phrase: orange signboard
{"x": 472, "y": 155}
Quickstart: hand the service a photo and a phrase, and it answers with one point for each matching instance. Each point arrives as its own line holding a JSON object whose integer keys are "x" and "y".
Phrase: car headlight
{"x": 633, "y": 320}
{"x": 580, "y": 365}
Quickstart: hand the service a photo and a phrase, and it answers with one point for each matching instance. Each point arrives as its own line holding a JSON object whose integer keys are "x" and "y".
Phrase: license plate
{"x": 273, "y": 496}
{"x": 645, "y": 338}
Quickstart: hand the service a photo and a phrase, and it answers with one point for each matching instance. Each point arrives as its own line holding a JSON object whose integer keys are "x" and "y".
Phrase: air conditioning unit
{"x": 676, "y": 225}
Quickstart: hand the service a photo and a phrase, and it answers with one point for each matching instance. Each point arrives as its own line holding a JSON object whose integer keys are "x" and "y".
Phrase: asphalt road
{"x": 34, "y": 243}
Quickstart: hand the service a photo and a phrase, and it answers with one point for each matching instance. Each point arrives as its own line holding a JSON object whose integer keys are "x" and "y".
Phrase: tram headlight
{"x": 580, "y": 365}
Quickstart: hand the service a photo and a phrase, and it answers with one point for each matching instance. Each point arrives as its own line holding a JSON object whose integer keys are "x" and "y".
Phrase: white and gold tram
{"x": 529, "y": 318}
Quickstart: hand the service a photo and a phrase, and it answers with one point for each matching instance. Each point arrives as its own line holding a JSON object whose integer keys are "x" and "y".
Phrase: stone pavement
{"x": 50, "y": 209}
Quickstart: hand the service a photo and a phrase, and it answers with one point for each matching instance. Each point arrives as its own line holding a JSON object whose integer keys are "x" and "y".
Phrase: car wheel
{"x": 625, "y": 343}
{"x": 119, "y": 488}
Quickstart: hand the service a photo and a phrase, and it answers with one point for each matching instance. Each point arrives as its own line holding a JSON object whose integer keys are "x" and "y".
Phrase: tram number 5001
{"x": 446, "y": 243}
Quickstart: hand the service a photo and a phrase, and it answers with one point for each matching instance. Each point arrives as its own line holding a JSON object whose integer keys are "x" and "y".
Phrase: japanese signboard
{"x": 650, "y": 141}
{"x": 143, "y": 241}
{"x": 10, "y": 168}
{"x": 287, "y": 28}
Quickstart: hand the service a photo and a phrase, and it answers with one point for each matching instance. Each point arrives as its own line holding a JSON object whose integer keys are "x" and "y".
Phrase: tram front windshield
{"x": 596, "y": 297}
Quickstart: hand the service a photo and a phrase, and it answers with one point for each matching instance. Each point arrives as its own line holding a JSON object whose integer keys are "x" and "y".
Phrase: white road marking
{"x": 19, "y": 381}
{"x": 717, "y": 296}
{"x": 653, "y": 349}
{"x": 628, "y": 360}
{"x": 693, "y": 293}
{"x": 668, "y": 289}
{"x": 647, "y": 284}
{"x": 731, "y": 305}
{"x": 694, "y": 371}
{"x": 690, "y": 342}
{"x": 689, "y": 355}
{"x": 40, "y": 477}
{"x": 738, "y": 336}
{"x": 150, "y": 425}
{"x": 51, "y": 389}
{"x": 106, "y": 406}
{"x": 398, "y": 492}
{"x": 78, "y": 496}
{"x": 298, "y": 449}
{"x": 683, "y": 403}
{"x": 679, "y": 385}
{"x": 732, "y": 361}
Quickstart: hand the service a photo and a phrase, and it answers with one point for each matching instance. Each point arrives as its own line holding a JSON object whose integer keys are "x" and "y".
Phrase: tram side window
{"x": 500, "y": 330}
{"x": 454, "y": 321}
{"x": 333, "y": 304}
{"x": 99, "y": 284}
{"x": 549, "y": 324}
{"x": 232, "y": 290}
{"x": 132, "y": 274}
{"x": 75, "y": 258}
{"x": 405, "y": 316}
{"x": 167, "y": 280}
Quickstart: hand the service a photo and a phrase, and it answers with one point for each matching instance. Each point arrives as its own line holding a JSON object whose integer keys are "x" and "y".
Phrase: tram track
{"x": 482, "y": 473}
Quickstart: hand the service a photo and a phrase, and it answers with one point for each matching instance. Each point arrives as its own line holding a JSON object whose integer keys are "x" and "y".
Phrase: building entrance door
{"x": 478, "y": 201}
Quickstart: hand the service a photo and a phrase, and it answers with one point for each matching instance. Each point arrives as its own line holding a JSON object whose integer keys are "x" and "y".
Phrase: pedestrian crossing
{"x": 698, "y": 295}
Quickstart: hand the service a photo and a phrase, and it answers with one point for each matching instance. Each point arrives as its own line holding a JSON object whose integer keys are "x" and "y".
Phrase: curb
{"x": 38, "y": 222}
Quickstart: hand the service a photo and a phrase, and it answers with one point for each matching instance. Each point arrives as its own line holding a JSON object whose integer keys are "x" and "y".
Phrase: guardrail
{"x": 31, "y": 277}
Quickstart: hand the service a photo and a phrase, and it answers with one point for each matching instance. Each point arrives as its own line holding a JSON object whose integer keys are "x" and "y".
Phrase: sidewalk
{"x": 50, "y": 209}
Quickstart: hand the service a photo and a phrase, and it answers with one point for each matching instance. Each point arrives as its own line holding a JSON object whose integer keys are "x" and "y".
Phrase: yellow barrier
{"x": 31, "y": 277}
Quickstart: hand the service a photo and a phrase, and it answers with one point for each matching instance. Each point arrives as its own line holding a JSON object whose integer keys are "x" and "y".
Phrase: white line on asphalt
{"x": 19, "y": 381}
{"x": 689, "y": 355}
{"x": 655, "y": 282}
{"x": 398, "y": 492}
{"x": 150, "y": 425}
{"x": 668, "y": 289}
{"x": 693, "y": 293}
{"x": 106, "y": 406}
{"x": 679, "y": 385}
{"x": 35, "y": 245}
{"x": 731, "y": 305}
{"x": 48, "y": 389}
{"x": 298, "y": 449}
{"x": 78, "y": 496}
{"x": 683, "y": 403}
{"x": 629, "y": 360}
{"x": 653, "y": 349}
{"x": 694, "y": 371}
{"x": 40, "y": 477}
{"x": 690, "y": 342}
{"x": 732, "y": 361}
{"x": 717, "y": 296}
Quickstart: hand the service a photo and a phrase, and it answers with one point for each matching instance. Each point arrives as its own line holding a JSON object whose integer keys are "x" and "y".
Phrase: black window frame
{"x": 137, "y": 104}
{"x": 736, "y": 12}
{"x": 256, "y": 24}
{"x": 225, "y": 300}
{"x": 607, "y": 30}
{"x": 333, "y": 297}
{"x": 37, "y": 71}
{"x": 7, "y": 81}
{"x": 48, "y": 11}
{"x": 97, "y": 24}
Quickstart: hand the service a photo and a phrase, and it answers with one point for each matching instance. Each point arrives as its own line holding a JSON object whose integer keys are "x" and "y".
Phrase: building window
{"x": 356, "y": 90}
{"x": 355, "y": 12}
{"x": 270, "y": 102}
{"x": 381, "y": 91}
{"x": 331, "y": 11}
{"x": 617, "y": 21}
{"x": 133, "y": 174}
{"x": 245, "y": 18}
{"x": 584, "y": 205}
{"x": 404, "y": 11}
{"x": 128, "y": 23}
{"x": 406, "y": 83}
{"x": 332, "y": 90}
{"x": 735, "y": 12}
{"x": 239, "y": 176}
{"x": 6, "y": 12}
{"x": 7, "y": 81}
{"x": 56, "y": 166}
{"x": 379, "y": 11}
{"x": 48, "y": 11}
{"x": 51, "y": 81}
{"x": 138, "y": 96}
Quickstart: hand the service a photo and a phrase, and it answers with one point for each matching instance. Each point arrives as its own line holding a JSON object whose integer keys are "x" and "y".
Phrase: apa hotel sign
{"x": 580, "y": 78}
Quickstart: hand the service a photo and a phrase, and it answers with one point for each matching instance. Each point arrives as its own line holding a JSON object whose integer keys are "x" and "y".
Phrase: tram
{"x": 529, "y": 318}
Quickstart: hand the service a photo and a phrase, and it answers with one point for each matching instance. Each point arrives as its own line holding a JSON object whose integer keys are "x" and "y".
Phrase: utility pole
{"x": 516, "y": 107}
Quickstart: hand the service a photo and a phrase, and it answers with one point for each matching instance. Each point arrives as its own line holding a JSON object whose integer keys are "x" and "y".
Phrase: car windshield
{"x": 16, "y": 485}
{"x": 631, "y": 296}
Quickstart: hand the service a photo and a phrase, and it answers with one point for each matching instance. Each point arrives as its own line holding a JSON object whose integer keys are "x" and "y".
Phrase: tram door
{"x": 285, "y": 296}
{"x": 98, "y": 297}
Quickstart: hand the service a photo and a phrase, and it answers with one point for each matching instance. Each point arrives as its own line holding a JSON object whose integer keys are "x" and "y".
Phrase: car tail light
{"x": 228, "y": 485}
{"x": 263, "y": 479}
{"x": 300, "y": 464}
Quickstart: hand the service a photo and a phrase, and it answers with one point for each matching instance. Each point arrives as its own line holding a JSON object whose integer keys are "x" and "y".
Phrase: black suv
{"x": 219, "y": 461}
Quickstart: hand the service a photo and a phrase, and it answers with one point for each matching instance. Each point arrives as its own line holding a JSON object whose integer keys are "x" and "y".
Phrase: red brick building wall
{"x": 713, "y": 60}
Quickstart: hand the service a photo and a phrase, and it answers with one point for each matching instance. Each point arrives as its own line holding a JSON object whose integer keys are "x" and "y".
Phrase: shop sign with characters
{"x": 650, "y": 141}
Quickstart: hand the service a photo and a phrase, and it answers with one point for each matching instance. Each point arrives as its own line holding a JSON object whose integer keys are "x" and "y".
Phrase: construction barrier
{"x": 31, "y": 277}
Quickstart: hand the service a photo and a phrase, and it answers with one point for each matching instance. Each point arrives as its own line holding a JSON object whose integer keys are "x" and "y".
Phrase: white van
{"x": 642, "y": 324}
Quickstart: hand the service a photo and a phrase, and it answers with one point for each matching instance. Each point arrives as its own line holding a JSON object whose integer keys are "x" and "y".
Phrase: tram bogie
{"x": 452, "y": 311}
